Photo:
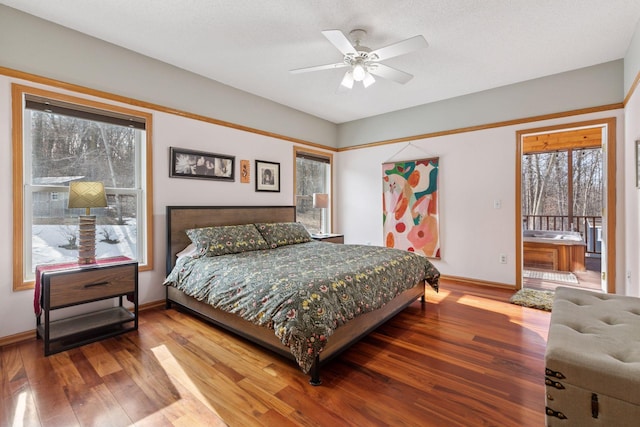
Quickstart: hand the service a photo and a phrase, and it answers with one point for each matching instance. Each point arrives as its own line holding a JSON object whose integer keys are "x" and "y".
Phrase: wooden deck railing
{"x": 589, "y": 227}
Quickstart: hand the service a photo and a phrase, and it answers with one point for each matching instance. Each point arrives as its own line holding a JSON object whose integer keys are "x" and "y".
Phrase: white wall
{"x": 32, "y": 45}
{"x": 632, "y": 198}
{"x": 174, "y": 131}
{"x": 16, "y": 313}
{"x": 632, "y": 193}
{"x": 476, "y": 168}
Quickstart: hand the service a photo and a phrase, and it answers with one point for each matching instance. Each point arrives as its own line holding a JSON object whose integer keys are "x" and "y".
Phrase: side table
{"x": 332, "y": 238}
{"x": 76, "y": 285}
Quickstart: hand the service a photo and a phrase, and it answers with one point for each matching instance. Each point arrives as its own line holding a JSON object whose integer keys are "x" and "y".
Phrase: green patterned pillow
{"x": 227, "y": 239}
{"x": 283, "y": 233}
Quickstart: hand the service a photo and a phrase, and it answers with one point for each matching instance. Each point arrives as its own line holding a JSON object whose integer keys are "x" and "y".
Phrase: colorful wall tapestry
{"x": 410, "y": 206}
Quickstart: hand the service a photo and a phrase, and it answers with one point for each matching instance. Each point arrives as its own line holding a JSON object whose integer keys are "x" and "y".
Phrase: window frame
{"x": 18, "y": 93}
{"x": 300, "y": 152}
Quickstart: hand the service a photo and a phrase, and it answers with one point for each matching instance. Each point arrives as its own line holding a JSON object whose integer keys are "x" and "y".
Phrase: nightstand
{"x": 332, "y": 238}
{"x": 71, "y": 286}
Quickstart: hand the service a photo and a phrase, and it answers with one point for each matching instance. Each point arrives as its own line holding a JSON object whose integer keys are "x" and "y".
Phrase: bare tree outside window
{"x": 64, "y": 149}
{"x": 312, "y": 176}
{"x": 563, "y": 190}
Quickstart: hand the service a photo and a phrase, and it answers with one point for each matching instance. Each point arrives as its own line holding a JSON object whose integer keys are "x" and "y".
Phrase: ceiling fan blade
{"x": 319, "y": 67}
{"x": 399, "y": 48}
{"x": 368, "y": 80}
{"x": 390, "y": 73}
{"x": 340, "y": 41}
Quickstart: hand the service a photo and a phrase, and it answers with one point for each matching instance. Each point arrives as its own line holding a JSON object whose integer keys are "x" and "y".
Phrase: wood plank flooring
{"x": 467, "y": 358}
{"x": 588, "y": 279}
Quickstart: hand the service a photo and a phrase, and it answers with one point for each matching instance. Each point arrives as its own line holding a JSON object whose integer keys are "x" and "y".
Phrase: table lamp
{"x": 321, "y": 201}
{"x": 86, "y": 194}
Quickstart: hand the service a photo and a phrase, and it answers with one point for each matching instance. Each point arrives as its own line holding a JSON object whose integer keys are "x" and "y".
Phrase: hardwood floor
{"x": 588, "y": 279}
{"x": 468, "y": 358}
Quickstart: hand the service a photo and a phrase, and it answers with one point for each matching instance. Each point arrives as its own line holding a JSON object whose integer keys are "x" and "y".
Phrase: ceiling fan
{"x": 364, "y": 63}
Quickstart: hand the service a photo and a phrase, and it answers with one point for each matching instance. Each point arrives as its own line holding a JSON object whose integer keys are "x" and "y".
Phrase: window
{"x": 313, "y": 176}
{"x": 563, "y": 183}
{"x": 59, "y": 139}
{"x": 563, "y": 190}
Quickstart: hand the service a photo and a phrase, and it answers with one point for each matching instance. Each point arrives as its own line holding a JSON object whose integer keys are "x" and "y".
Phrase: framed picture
{"x": 267, "y": 176}
{"x": 201, "y": 165}
{"x": 245, "y": 172}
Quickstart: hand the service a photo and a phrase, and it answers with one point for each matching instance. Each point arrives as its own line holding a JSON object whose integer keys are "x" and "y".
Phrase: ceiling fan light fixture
{"x": 347, "y": 80}
{"x": 361, "y": 62}
{"x": 359, "y": 72}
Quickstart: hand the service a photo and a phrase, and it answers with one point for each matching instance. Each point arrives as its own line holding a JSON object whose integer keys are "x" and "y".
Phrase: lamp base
{"x": 87, "y": 240}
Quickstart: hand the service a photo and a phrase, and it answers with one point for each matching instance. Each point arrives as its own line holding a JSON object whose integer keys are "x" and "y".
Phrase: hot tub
{"x": 553, "y": 250}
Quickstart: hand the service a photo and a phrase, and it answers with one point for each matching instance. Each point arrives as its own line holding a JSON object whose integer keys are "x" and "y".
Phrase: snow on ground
{"x": 48, "y": 239}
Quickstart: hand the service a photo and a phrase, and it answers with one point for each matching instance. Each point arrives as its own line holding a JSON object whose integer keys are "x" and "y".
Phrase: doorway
{"x": 565, "y": 190}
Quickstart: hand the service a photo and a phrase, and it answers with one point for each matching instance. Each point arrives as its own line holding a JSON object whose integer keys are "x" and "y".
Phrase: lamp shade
{"x": 320, "y": 200}
{"x": 359, "y": 72}
{"x": 347, "y": 80}
{"x": 87, "y": 194}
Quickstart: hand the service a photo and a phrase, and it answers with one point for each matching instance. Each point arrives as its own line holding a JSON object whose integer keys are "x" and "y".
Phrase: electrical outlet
{"x": 503, "y": 258}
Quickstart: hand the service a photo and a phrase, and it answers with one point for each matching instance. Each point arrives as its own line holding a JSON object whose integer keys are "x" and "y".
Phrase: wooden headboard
{"x": 181, "y": 218}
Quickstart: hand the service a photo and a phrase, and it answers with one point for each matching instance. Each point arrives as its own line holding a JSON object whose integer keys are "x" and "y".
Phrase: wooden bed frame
{"x": 181, "y": 218}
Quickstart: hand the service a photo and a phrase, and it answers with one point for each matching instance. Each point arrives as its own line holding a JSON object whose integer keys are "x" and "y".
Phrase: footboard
{"x": 344, "y": 337}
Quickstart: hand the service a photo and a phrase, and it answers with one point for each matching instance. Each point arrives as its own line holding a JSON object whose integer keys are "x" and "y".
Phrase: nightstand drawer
{"x": 71, "y": 287}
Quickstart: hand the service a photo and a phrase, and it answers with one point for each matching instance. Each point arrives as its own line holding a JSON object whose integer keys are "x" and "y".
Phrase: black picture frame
{"x": 267, "y": 176}
{"x": 201, "y": 165}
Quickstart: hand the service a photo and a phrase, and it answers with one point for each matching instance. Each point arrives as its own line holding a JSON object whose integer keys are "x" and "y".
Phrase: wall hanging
{"x": 267, "y": 176}
{"x": 245, "y": 172}
{"x": 410, "y": 206}
{"x": 199, "y": 164}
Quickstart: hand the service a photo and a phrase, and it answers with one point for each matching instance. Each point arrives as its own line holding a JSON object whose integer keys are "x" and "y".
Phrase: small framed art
{"x": 267, "y": 176}
{"x": 245, "y": 172}
{"x": 201, "y": 165}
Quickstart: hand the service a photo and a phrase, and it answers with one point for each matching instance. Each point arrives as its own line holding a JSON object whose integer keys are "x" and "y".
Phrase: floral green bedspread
{"x": 304, "y": 291}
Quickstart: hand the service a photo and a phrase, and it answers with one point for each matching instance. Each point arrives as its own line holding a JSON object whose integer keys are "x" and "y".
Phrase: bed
{"x": 292, "y": 309}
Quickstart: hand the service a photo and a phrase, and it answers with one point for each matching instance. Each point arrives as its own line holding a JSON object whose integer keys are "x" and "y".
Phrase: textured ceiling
{"x": 251, "y": 44}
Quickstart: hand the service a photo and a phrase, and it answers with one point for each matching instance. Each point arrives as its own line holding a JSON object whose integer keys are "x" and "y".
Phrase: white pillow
{"x": 188, "y": 251}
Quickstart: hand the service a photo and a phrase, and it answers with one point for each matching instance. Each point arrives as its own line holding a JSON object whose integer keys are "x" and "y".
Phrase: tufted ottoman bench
{"x": 592, "y": 360}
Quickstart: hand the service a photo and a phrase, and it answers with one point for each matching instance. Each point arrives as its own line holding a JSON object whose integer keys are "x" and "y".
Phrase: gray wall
{"x": 46, "y": 49}
{"x": 584, "y": 88}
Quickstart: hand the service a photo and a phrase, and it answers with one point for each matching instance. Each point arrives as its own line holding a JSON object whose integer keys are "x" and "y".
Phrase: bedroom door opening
{"x": 564, "y": 195}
